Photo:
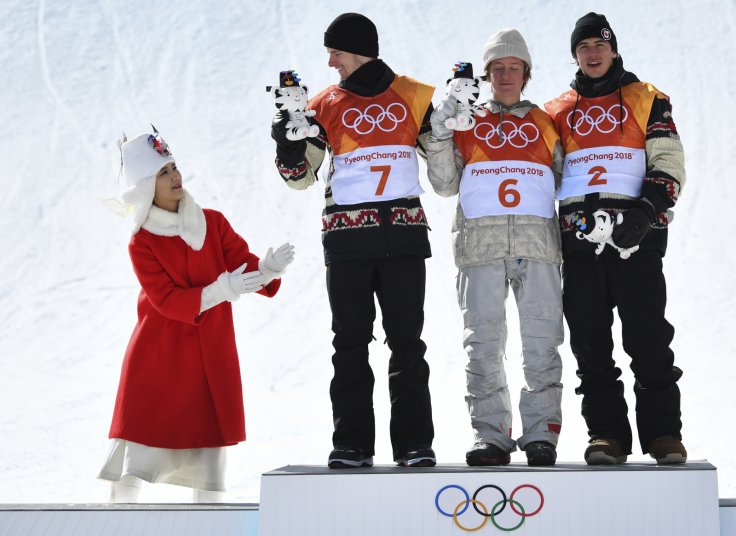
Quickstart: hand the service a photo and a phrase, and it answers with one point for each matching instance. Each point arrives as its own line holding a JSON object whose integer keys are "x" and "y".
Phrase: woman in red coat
{"x": 180, "y": 398}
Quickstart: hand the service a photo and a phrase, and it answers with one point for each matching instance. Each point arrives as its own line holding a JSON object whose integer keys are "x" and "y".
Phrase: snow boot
{"x": 540, "y": 453}
{"x": 667, "y": 450}
{"x": 422, "y": 456}
{"x": 484, "y": 453}
{"x": 604, "y": 451}
{"x": 344, "y": 457}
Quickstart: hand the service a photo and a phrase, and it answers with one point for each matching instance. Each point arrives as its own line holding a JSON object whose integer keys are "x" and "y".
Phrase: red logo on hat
{"x": 606, "y": 34}
{"x": 159, "y": 145}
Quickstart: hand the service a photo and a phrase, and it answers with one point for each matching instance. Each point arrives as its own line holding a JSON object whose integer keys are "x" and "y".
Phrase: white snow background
{"x": 76, "y": 74}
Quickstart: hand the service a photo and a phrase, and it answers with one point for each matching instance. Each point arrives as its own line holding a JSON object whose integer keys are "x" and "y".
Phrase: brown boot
{"x": 604, "y": 451}
{"x": 668, "y": 450}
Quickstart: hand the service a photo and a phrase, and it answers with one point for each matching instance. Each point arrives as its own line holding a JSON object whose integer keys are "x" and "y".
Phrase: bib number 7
{"x": 384, "y": 171}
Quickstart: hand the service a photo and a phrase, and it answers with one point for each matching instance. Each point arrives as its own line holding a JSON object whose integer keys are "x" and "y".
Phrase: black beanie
{"x": 354, "y": 33}
{"x": 592, "y": 25}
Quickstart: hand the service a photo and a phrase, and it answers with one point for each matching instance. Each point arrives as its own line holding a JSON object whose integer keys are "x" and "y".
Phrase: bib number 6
{"x": 507, "y": 196}
{"x": 384, "y": 171}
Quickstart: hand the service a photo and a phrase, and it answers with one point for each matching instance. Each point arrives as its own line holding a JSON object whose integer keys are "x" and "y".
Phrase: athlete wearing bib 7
{"x": 374, "y": 232}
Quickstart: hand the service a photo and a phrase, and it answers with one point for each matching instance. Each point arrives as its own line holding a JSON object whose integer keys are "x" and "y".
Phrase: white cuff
{"x": 217, "y": 292}
{"x": 268, "y": 272}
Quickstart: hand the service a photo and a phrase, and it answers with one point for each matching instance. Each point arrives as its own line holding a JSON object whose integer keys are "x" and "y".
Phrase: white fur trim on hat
{"x": 139, "y": 199}
{"x": 506, "y": 43}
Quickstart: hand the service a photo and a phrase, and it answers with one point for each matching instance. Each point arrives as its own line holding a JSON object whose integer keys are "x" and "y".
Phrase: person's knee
{"x": 487, "y": 331}
{"x": 539, "y": 379}
{"x": 352, "y": 336}
{"x": 654, "y": 381}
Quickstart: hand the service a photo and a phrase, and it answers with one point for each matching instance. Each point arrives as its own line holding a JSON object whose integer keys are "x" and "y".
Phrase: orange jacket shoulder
{"x": 639, "y": 96}
{"x": 546, "y": 127}
{"x": 417, "y": 94}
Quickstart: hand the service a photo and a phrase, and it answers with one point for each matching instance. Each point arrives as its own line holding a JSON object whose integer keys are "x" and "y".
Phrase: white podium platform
{"x": 631, "y": 499}
{"x": 128, "y": 519}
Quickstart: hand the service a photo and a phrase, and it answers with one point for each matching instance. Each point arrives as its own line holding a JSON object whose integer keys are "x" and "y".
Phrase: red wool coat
{"x": 180, "y": 381}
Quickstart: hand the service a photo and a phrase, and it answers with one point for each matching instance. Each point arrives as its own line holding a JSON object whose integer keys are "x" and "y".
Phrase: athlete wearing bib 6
{"x": 623, "y": 156}
{"x": 506, "y": 233}
{"x": 374, "y": 231}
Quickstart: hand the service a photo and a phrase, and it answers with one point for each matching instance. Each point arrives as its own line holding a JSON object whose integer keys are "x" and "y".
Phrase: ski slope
{"x": 77, "y": 74}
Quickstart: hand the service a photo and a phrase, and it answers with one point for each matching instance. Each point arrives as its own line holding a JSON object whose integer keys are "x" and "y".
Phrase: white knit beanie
{"x": 506, "y": 43}
{"x": 142, "y": 158}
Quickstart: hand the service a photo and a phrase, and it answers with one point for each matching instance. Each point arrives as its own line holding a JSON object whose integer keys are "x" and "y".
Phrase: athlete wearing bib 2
{"x": 623, "y": 156}
{"x": 373, "y": 123}
{"x": 506, "y": 232}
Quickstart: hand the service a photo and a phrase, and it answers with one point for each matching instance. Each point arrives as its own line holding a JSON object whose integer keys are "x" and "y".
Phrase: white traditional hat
{"x": 141, "y": 159}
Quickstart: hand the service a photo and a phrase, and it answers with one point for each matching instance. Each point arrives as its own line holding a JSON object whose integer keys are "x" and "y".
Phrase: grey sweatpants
{"x": 482, "y": 292}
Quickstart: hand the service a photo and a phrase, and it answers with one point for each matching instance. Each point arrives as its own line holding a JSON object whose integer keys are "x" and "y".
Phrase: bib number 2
{"x": 597, "y": 179}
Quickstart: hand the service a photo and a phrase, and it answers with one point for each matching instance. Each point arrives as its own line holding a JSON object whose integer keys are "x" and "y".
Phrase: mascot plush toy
{"x": 598, "y": 228}
{"x": 465, "y": 89}
{"x": 292, "y": 97}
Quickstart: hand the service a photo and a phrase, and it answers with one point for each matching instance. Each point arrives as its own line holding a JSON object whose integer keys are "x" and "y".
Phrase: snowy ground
{"x": 78, "y": 73}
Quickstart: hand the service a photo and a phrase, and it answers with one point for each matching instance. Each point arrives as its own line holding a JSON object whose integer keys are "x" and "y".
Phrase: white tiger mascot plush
{"x": 598, "y": 228}
{"x": 292, "y": 97}
{"x": 465, "y": 89}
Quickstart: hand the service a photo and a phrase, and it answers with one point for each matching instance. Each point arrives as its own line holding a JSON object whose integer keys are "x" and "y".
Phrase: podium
{"x": 630, "y": 499}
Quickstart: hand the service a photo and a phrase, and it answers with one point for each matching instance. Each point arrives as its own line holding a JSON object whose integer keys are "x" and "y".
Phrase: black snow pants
{"x": 592, "y": 286}
{"x": 398, "y": 283}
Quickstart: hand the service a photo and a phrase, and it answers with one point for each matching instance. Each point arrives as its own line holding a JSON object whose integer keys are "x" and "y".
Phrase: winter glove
{"x": 244, "y": 283}
{"x": 275, "y": 262}
{"x": 635, "y": 224}
{"x": 287, "y": 151}
{"x": 230, "y": 285}
{"x": 446, "y": 109}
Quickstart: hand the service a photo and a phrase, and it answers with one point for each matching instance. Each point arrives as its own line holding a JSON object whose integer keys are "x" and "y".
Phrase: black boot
{"x": 540, "y": 453}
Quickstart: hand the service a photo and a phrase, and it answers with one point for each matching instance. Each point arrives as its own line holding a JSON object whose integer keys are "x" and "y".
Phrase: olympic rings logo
{"x": 596, "y": 118}
{"x": 482, "y": 509}
{"x": 374, "y": 116}
{"x": 518, "y": 137}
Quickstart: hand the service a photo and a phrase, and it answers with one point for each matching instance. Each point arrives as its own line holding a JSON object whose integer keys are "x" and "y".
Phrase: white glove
{"x": 275, "y": 262}
{"x": 242, "y": 283}
{"x": 446, "y": 110}
{"x": 230, "y": 285}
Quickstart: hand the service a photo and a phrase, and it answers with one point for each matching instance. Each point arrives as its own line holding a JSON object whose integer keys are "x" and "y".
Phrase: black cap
{"x": 592, "y": 25}
{"x": 354, "y": 33}
{"x": 289, "y": 78}
{"x": 462, "y": 69}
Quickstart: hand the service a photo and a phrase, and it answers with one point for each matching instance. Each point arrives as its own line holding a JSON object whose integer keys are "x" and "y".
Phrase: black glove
{"x": 634, "y": 226}
{"x": 288, "y": 151}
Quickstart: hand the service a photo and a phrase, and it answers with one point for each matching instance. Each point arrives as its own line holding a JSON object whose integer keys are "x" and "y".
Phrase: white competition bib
{"x": 378, "y": 173}
{"x": 615, "y": 170}
{"x": 507, "y": 187}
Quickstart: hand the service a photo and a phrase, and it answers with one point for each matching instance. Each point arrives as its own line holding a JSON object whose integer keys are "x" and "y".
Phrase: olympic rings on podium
{"x": 497, "y": 508}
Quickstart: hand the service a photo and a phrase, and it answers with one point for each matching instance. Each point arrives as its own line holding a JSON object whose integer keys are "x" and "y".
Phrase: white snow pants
{"x": 482, "y": 292}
